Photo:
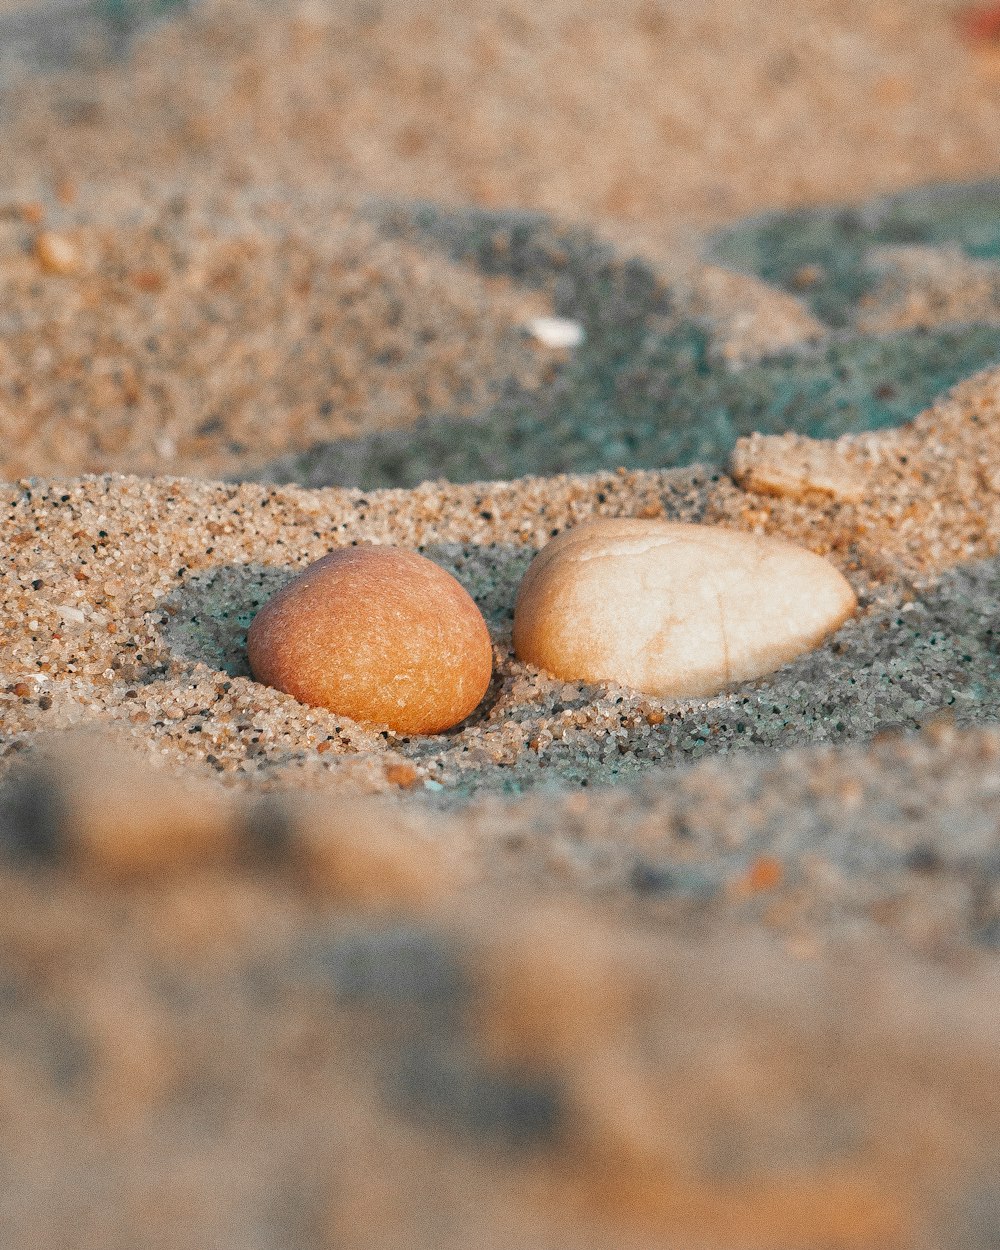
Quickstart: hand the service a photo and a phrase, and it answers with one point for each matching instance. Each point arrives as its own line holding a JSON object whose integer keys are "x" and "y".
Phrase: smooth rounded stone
{"x": 672, "y": 609}
{"x": 379, "y": 634}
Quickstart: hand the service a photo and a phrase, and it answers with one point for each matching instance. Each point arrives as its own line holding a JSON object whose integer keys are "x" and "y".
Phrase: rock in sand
{"x": 672, "y": 609}
{"x": 379, "y": 634}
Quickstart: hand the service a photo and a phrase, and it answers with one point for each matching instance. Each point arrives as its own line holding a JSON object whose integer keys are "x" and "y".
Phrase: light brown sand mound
{"x": 211, "y": 338}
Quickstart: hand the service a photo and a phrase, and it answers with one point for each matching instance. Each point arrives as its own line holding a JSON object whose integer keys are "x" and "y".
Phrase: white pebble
{"x": 556, "y": 332}
{"x": 673, "y": 610}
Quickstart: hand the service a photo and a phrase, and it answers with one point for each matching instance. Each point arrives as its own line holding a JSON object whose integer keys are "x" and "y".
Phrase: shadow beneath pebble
{"x": 491, "y": 573}
{"x": 208, "y": 617}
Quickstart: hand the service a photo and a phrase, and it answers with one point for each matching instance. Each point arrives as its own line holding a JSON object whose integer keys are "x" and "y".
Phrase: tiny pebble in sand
{"x": 557, "y": 332}
{"x": 672, "y": 609}
{"x": 56, "y": 253}
{"x": 381, "y": 635}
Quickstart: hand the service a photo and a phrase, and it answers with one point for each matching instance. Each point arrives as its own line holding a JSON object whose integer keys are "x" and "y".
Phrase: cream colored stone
{"x": 672, "y": 609}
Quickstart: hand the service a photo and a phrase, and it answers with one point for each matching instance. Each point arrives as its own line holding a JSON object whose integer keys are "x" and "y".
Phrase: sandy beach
{"x": 593, "y": 968}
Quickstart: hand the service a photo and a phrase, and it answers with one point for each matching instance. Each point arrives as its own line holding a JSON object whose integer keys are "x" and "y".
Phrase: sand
{"x": 592, "y": 969}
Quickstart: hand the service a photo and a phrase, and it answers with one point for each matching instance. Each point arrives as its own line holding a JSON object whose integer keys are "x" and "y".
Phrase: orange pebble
{"x": 403, "y": 775}
{"x": 379, "y": 634}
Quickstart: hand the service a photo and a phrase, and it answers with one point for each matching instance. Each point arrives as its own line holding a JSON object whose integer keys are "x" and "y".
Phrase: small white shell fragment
{"x": 671, "y": 609}
{"x": 556, "y": 332}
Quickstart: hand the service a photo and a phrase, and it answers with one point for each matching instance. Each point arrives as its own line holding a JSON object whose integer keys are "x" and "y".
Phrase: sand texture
{"x": 592, "y": 969}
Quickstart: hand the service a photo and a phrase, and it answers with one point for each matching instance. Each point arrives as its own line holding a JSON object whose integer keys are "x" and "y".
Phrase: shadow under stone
{"x": 208, "y": 617}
